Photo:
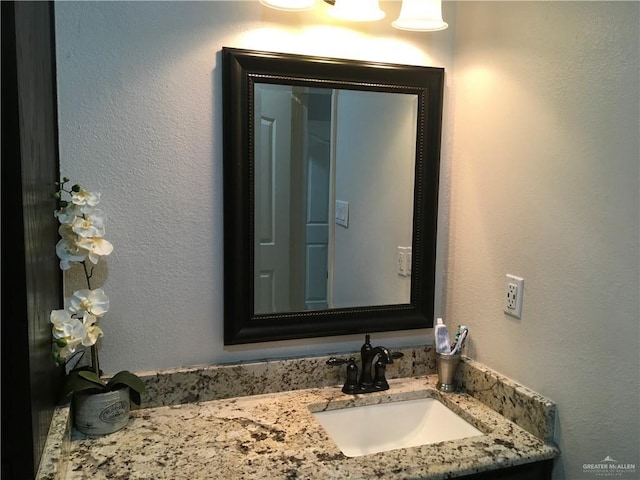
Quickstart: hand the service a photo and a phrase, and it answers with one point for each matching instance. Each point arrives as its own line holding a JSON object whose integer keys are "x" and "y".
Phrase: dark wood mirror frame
{"x": 241, "y": 69}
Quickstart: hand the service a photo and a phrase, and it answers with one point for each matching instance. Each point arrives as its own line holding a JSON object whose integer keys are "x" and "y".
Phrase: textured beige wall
{"x": 545, "y": 185}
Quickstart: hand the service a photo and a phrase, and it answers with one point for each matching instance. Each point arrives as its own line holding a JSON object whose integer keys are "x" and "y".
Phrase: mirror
{"x": 330, "y": 181}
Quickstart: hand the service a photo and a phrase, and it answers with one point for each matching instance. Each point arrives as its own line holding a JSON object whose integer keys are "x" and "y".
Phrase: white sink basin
{"x": 381, "y": 427}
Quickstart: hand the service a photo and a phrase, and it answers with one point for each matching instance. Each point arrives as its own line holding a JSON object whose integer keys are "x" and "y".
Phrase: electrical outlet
{"x": 513, "y": 295}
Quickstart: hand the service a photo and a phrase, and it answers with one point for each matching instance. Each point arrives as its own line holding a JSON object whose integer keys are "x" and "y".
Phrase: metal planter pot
{"x": 102, "y": 413}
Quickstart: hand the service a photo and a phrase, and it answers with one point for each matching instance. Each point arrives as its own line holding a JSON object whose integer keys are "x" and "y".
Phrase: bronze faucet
{"x": 367, "y": 382}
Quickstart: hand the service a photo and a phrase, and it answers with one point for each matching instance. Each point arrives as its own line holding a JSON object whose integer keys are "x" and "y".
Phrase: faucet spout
{"x": 385, "y": 354}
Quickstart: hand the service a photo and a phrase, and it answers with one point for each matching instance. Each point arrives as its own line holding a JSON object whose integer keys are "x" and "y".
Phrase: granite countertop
{"x": 254, "y": 421}
{"x": 275, "y": 436}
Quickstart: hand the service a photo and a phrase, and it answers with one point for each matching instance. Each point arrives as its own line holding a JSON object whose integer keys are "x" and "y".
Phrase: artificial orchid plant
{"x": 82, "y": 228}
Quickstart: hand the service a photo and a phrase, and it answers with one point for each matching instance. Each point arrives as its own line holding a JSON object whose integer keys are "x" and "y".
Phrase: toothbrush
{"x": 460, "y": 329}
{"x": 459, "y": 343}
{"x": 457, "y": 335}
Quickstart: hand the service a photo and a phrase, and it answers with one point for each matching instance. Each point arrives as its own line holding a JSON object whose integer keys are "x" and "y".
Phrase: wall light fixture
{"x": 289, "y": 5}
{"x": 415, "y": 15}
{"x": 420, "y": 15}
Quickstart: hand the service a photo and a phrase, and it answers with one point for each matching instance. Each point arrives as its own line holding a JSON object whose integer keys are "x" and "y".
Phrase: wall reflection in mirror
{"x": 334, "y": 182}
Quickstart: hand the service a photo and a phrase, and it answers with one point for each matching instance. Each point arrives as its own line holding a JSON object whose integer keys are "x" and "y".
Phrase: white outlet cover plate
{"x": 514, "y": 287}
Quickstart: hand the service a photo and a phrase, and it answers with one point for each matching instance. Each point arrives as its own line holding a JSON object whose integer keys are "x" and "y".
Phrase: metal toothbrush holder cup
{"x": 446, "y": 366}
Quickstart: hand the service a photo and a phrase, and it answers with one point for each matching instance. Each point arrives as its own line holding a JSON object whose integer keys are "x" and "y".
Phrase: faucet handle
{"x": 351, "y": 384}
{"x": 379, "y": 380}
{"x": 333, "y": 361}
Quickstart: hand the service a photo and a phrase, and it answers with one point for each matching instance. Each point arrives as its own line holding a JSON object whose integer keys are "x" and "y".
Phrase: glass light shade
{"x": 420, "y": 15}
{"x": 289, "y": 5}
{"x": 357, "y": 10}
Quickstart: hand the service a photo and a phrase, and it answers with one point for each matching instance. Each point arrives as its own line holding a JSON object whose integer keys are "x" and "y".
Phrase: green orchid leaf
{"x": 77, "y": 382}
{"x": 92, "y": 377}
{"x": 134, "y": 396}
{"x": 130, "y": 380}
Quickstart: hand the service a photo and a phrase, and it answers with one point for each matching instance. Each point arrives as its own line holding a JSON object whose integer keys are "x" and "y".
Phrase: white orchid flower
{"x": 90, "y": 225}
{"x": 93, "y": 330}
{"x": 85, "y": 199}
{"x": 94, "y": 302}
{"x": 72, "y": 331}
{"x": 69, "y": 253}
{"x": 96, "y": 247}
{"x": 68, "y": 214}
{"x": 69, "y": 332}
{"x": 67, "y": 232}
{"x": 59, "y": 318}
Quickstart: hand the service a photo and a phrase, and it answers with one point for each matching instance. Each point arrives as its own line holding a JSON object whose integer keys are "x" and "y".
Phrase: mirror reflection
{"x": 334, "y": 183}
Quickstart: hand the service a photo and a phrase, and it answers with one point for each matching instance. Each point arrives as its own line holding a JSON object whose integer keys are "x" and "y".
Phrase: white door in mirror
{"x": 377, "y": 428}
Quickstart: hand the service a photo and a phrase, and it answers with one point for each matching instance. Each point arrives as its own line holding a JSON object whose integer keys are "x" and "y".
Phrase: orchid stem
{"x": 87, "y": 274}
{"x": 95, "y": 363}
